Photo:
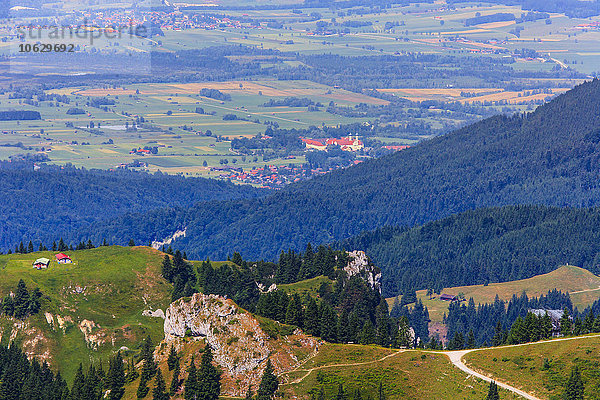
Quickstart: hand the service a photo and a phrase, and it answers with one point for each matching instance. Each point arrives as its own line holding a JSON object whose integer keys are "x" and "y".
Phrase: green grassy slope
{"x": 582, "y": 285}
{"x": 523, "y": 366}
{"x": 404, "y": 375}
{"x": 109, "y": 286}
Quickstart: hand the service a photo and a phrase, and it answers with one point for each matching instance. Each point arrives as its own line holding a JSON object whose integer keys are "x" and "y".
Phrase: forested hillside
{"x": 483, "y": 246}
{"x": 549, "y": 157}
{"x": 55, "y": 201}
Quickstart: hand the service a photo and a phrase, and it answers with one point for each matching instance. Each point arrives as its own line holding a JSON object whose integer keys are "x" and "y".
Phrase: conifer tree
{"x": 493, "y": 392}
{"x": 328, "y": 327}
{"x": 143, "y": 389}
{"x": 380, "y": 393}
{"x": 382, "y": 322}
{"x": 30, "y": 247}
{"x": 312, "y": 318}
{"x": 22, "y": 249}
{"x": 54, "y": 246}
{"x": 116, "y": 377}
{"x": 174, "y": 387}
{"x": 566, "y": 326}
{"x": 41, "y": 248}
{"x": 77, "y": 391}
{"x": 471, "y": 340}
{"x": 340, "y": 394}
{"x": 160, "y": 389}
{"x": 173, "y": 358}
{"x": 167, "y": 268}
{"x": 21, "y": 300}
{"x": 367, "y": 334}
{"x": 209, "y": 377}
{"x": 132, "y": 372}
{"x": 268, "y": 384}
{"x": 574, "y": 390}
{"x": 191, "y": 389}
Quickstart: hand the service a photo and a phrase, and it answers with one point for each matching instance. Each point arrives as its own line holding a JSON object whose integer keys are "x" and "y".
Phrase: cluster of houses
{"x": 346, "y": 143}
{"x": 43, "y": 262}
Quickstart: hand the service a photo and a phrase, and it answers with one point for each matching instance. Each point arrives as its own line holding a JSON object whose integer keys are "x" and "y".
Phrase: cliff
{"x": 241, "y": 342}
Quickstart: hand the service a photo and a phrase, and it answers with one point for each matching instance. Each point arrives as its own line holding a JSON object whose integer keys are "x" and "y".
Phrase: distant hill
{"x": 549, "y": 156}
{"x": 53, "y": 201}
{"x": 484, "y": 246}
{"x": 583, "y": 288}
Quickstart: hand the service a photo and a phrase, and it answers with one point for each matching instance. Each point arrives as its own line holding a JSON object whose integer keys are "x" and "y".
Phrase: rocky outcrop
{"x": 359, "y": 264}
{"x": 240, "y": 345}
{"x": 156, "y": 314}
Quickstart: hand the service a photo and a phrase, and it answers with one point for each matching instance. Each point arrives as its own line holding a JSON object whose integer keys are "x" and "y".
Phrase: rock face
{"x": 240, "y": 346}
{"x": 359, "y": 264}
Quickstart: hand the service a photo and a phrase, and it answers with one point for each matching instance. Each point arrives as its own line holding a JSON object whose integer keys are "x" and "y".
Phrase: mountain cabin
{"x": 62, "y": 258}
{"x": 41, "y": 263}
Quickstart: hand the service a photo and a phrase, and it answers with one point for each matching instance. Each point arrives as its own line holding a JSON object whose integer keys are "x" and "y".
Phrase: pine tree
{"x": 160, "y": 389}
{"x": 340, "y": 394}
{"x": 209, "y": 377}
{"x": 367, "y": 334}
{"x": 174, "y": 387}
{"x": 30, "y": 247}
{"x": 328, "y": 326}
{"x": 21, "y": 300}
{"x": 167, "y": 268}
{"x": 173, "y": 358}
{"x": 382, "y": 322}
{"x": 54, "y": 246}
{"x": 493, "y": 392}
{"x": 471, "y": 340}
{"x": 131, "y": 243}
{"x": 77, "y": 391}
{"x": 574, "y": 390}
{"x": 566, "y": 325}
{"x": 22, "y": 249}
{"x": 268, "y": 384}
{"x": 312, "y": 318}
{"x": 143, "y": 389}
{"x": 132, "y": 372}
{"x": 116, "y": 377}
{"x": 191, "y": 389}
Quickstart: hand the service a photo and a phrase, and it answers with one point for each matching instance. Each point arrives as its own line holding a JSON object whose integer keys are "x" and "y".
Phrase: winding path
{"x": 310, "y": 370}
{"x": 457, "y": 355}
{"x": 456, "y": 359}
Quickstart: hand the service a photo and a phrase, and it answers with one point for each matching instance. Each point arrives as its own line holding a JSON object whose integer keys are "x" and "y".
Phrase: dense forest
{"x": 41, "y": 205}
{"x": 523, "y": 159}
{"x": 483, "y": 246}
{"x": 343, "y": 309}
